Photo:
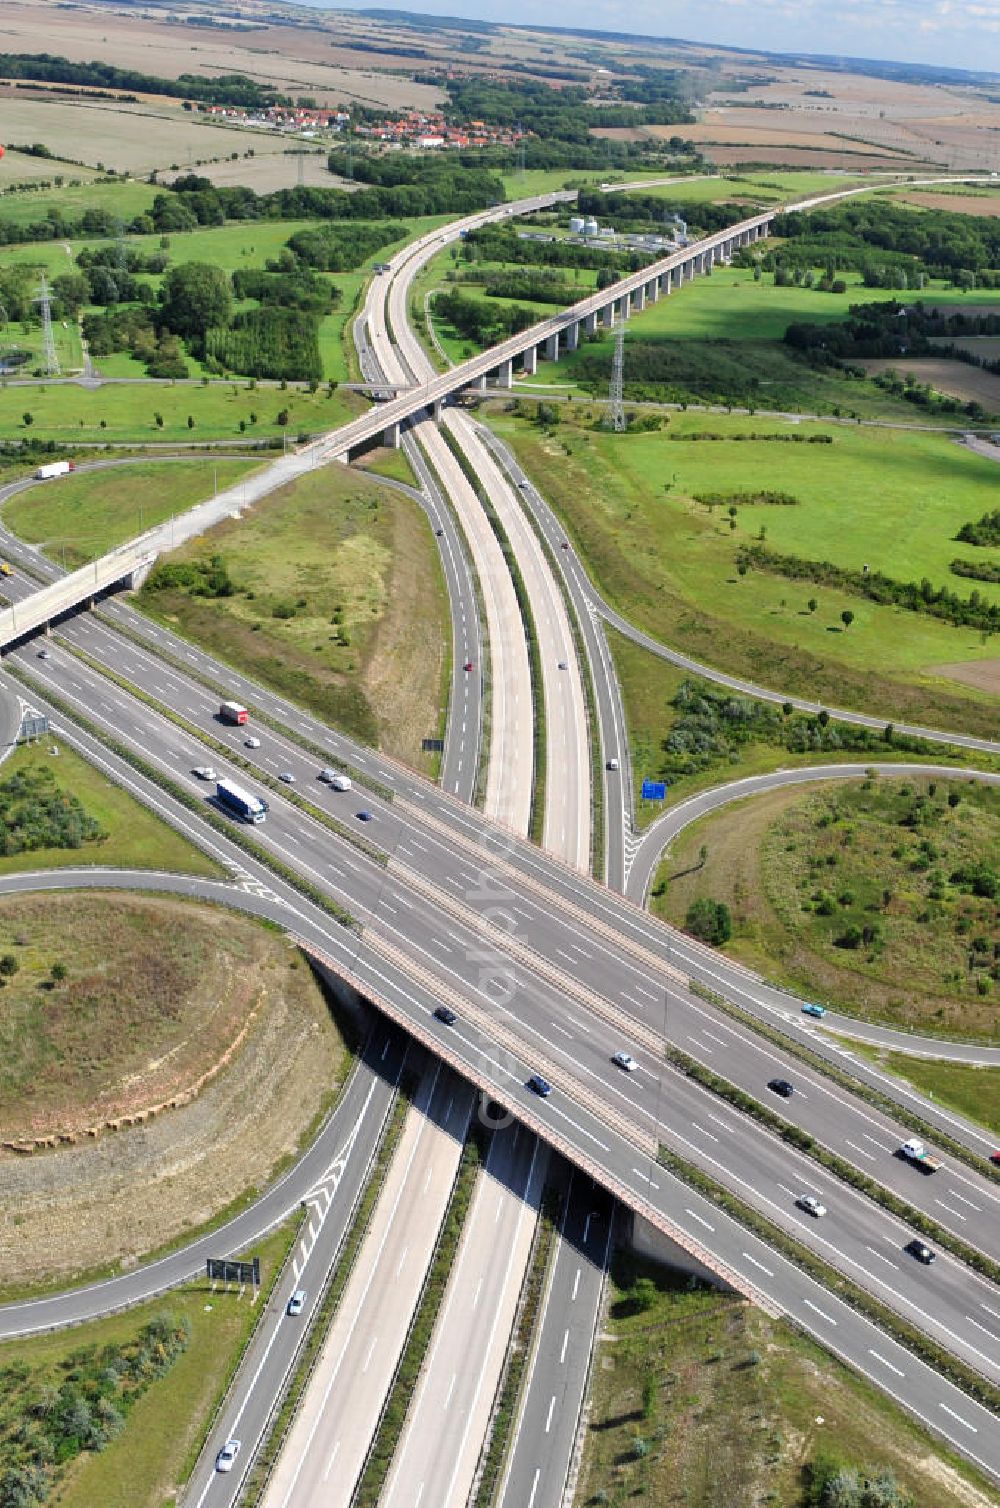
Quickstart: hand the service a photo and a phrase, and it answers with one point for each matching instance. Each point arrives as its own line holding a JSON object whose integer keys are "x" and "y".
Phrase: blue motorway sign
{"x": 654, "y": 790}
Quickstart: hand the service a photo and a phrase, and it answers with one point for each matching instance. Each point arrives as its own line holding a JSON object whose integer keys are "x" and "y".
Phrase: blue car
{"x": 539, "y": 1085}
{"x": 813, "y": 1010}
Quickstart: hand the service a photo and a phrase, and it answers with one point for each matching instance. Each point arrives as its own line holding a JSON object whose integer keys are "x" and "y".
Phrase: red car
{"x": 995, "y": 1157}
{"x": 469, "y": 665}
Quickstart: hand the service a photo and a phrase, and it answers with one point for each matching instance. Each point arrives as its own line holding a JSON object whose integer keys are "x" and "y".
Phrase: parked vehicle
{"x": 54, "y": 468}
{"x": 914, "y": 1151}
{"x": 232, "y": 712}
{"x": 809, "y": 1009}
{"x": 240, "y": 802}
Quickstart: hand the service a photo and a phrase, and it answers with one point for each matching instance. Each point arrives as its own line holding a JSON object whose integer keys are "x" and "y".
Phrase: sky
{"x": 954, "y": 33}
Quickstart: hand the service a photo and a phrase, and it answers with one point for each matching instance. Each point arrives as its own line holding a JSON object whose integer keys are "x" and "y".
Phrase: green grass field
{"x": 144, "y": 1465}
{"x": 77, "y": 518}
{"x": 71, "y": 200}
{"x": 893, "y": 499}
{"x": 972, "y": 1092}
{"x": 136, "y": 839}
{"x": 702, "y": 1400}
{"x": 854, "y": 895}
{"x": 339, "y": 603}
{"x": 72, "y": 414}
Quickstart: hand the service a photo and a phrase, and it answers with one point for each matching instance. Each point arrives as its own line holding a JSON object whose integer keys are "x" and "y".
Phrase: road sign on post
{"x": 654, "y": 790}
{"x": 226, "y": 1270}
{"x": 33, "y": 725}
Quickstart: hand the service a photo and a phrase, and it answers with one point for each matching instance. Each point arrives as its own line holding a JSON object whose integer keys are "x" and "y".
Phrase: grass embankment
{"x": 701, "y": 1399}
{"x": 174, "y": 1063}
{"x": 971, "y": 1091}
{"x": 143, "y": 1465}
{"x": 78, "y": 518}
{"x": 871, "y": 895}
{"x": 131, "y": 836}
{"x": 893, "y": 500}
{"x": 125, "y": 413}
{"x": 337, "y": 601}
{"x": 113, "y": 1005}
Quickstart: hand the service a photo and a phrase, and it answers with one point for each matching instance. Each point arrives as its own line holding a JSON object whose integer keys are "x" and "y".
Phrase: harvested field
{"x": 277, "y": 169}
{"x": 724, "y": 128}
{"x": 293, "y": 59}
{"x": 159, "y": 994}
{"x": 953, "y": 377}
{"x": 847, "y": 159}
{"x": 132, "y": 138}
{"x": 984, "y": 675}
{"x": 965, "y": 204}
{"x": 18, "y": 167}
{"x": 986, "y": 346}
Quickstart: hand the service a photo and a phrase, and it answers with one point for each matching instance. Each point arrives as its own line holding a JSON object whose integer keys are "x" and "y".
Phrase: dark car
{"x": 921, "y": 1252}
{"x": 439, "y": 533}
{"x": 539, "y": 1085}
{"x": 447, "y": 1016}
{"x": 364, "y": 816}
{"x": 782, "y": 1087}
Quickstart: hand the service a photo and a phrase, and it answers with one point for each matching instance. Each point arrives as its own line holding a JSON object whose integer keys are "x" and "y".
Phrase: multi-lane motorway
{"x": 548, "y": 970}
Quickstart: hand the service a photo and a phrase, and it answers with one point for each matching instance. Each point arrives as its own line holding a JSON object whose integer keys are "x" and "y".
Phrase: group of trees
{"x": 916, "y": 596}
{"x": 711, "y": 725}
{"x": 480, "y": 321}
{"x": 985, "y": 530}
{"x": 227, "y": 89}
{"x": 503, "y": 245}
{"x": 35, "y": 813}
{"x": 876, "y": 232}
{"x": 54, "y": 1413}
{"x": 566, "y": 114}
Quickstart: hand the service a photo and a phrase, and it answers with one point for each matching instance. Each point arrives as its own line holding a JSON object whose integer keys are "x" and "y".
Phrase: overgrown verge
{"x": 230, "y": 830}
{"x": 256, "y": 1482}
{"x": 370, "y": 850}
{"x": 536, "y": 826}
{"x": 804, "y": 1142}
{"x": 390, "y": 1426}
{"x": 857, "y": 1087}
{"x": 384, "y": 792}
{"x": 518, "y": 1353}
{"x": 922, "y": 1346}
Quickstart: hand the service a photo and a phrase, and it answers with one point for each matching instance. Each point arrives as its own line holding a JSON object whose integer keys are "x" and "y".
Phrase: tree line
{"x": 227, "y": 89}
{"x": 939, "y": 242}
{"x": 915, "y": 596}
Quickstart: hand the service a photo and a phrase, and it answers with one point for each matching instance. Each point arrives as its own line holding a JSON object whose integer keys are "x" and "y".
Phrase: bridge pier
{"x": 638, "y": 299}
{"x": 608, "y": 315}
{"x": 552, "y": 347}
{"x": 505, "y": 374}
{"x": 572, "y": 333}
{"x": 531, "y": 361}
{"x": 653, "y": 291}
{"x": 434, "y": 410}
{"x": 390, "y": 437}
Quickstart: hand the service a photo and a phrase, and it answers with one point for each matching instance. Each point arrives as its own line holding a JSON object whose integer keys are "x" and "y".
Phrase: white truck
{"x": 54, "y": 468}
{"x": 914, "y": 1151}
{"x": 335, "y": 780}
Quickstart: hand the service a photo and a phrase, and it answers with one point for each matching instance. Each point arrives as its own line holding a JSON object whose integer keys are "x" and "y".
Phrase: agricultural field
{"x": 876, "y": 896}
{"x": 141, "y": 1465}
{"x": 891, "y": 499}
{"x": 130, "y": 836}
{"x": 248, "y": 1057}
{"x": 125, "y": 413}
{"x": 955, "y": 378}
{"x": 328, "y": 578}
{"x": 78, "y": 518}
{"x": 700, "y": 1399}
{"x": 71, "y": 198}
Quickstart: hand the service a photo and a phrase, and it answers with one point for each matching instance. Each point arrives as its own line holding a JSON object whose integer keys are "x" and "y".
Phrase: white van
{"x": 335, "y": 779}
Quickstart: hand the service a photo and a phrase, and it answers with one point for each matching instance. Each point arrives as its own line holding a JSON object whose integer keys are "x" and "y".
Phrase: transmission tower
{"x": 50, "y": 360}
{"x": 616, "y": 402}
